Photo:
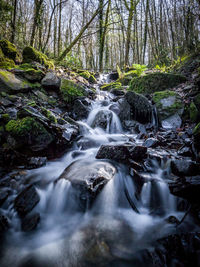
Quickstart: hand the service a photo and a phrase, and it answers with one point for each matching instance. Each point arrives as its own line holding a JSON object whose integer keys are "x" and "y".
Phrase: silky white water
{"x": 110, "y": 229}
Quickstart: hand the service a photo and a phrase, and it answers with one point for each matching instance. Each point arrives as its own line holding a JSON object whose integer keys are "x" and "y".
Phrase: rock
{"x": 110, "y": 86}
{"x": 151, "y": 142}
{"x": 122, "y": 153}
{"x": 11, "y": 84}
{"x": 36, "y": 162}
{"x": 174, "y": 250}
{"x": 154, "y": 82}
{"x": 28, "y": 133}
{"x": 88, "y": 179}
{"x": 30, "y": 222}
{"x": 172, "y": 220}
{"x": 26, "y": 200}
{"x": 187, "y": 188}
{"x": 9, "y": 50}
{"x": 196, "y": 133}
{"x": 30, "y": 55}
{"x": 117, "y": 92}
{"x": 185, "y": 167}
{"x": 4, "y": 225}
{"x": 31, "y": 74}
{"x": 102, "y": 119}
{"x": 113, "y": 76}
{"x": 3, "y": 196}
{"x": 80, "y": 109}
{"x": 169, "y": 106}
{"x": 71, "y": 90}
{"x": 135, "y": 107}
{"x": 173, "y": 122}
{"x": 51, "y": 81}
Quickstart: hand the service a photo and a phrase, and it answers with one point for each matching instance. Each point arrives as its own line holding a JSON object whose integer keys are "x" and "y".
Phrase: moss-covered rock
{"x": 11, "y": 84}
{"x": 70, "y": 90}
{"x": 88, "y": 76}
{"x": 9, "y": 50}
{"x": 193, "y": 112}
{"x": 5, "y": 63}
{"x": 30, "y": 74}
{"x": 109, "y": 86}
{"x": 30, "y": 54}
{"x": 154, "y": 82}
{"x": 49, "y": 115}
{"x": 168, "y": 103}
{"x": 28, "y": 132}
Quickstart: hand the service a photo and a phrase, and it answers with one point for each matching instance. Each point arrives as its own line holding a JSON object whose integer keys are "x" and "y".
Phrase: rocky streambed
{"x": 92, "y": 177}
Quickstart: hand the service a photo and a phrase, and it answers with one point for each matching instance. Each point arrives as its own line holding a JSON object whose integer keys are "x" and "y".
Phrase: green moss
{"x": 49, "y": 115}
{"x": 32, "y": 104}
{"x": 193, "y": 112}
{"x": 5, "y": 117}
{"x": 70, "y": 90}
{"x": 6, "y": 63}
{"x": 88, "y": 76}
{"x": 196, "y": 130}
{"x": 5, "y": 75}
{"x": 166, "y": 110}
{"x": 109, "y": 86}
{"x": 9, "y": 50}
{"x": 23, "y": 127}
{"x": 154, "y": 82}
{"x": 25, "y": 66}
{"x": 30, "y": 54}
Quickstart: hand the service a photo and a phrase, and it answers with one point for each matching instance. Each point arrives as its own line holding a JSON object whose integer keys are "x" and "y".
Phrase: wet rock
{"x": 30, "y": 75}
{"x": 36, "y": 162}
{"x": 187, "y": 188}
{"x": 80, "y": 109}
{"x": 172, "y": 220}
{"x": 184, "y": 167}
{"x": 51, "y": 81}
{"x": 115, "y": 108}
{"x": 26, "y": 200}
{"x": 102, "y": 119}
{"x": 86, "y": 143}
{"x": 88, "y": 179}
{"x": 30, "y": 222}
{"x": 174, "y": 250}
{"x": 172, "y": 122}
{"x": 122, "y": 153}
{"x": 4, "y": 225}
{"x": 151, "y": 142}
{"x": 11, "y": 84}
{"x": 117, "y": 92}
{"x": 3, "y": 196}
{"x": 113, "y": 76}
{"x": 185, "y": 152}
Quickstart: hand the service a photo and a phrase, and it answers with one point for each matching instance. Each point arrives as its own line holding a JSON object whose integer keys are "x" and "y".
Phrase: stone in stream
{"x": 122, "y": 153}
{"x": 182, "y": 167}
{"x": 113, "y": 76}
{"x": 26, "y": 200}
{"x": 51, "y": 81}
{"x": 30, "y": 222}
{"x": 135, "y": 107}
{"x": 188, "y": 188}
{"x": 88, "y": 179}
{"x": 102, "y": 119}
{"x": 80, "y": 109}
{"x": 151, "y": 142}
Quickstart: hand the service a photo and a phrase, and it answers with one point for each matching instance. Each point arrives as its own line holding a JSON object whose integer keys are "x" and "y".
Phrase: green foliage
{"x": 70, "y": 90}
{"x": 153, "y": 82}
{"x": 139, "y": 69}
{"x": 25, "y": 126}
{"x": 30, "y": 54}
{"x": 162, "y": 58}
{"x": 5, "y": 11}
{"x": 9, "y": 50}
{"x": 196, "y": 130}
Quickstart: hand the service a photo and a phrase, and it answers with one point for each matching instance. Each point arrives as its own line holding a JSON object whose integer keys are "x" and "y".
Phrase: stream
{"x": 109, "y": 225}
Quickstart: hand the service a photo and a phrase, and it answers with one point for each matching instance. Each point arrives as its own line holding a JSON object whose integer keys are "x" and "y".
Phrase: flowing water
{"x": 107, "y": 233}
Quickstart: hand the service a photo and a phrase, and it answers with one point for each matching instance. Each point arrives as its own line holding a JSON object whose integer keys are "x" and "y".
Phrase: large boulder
{"x": 9, "y": 83}
{"x": 154, "y": 82}
{"x": 88, "y": 179}
{"x": 102, "y": 119}
{"x": 6, "y": 63}
{"x": 122, "y": 153}
{"x": 170, "y": 108}
{"x": 30, "y": 55}
{"x": 26, "y": 201}
{"x": 71, "y": 90}
{"x": 28, "y": 134}
{"x": 80, "y": 109}
{"x": 135, "y": 107}
{"x": 9, "y": 50}
{"x": 51, "y": 81}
